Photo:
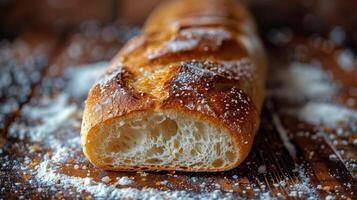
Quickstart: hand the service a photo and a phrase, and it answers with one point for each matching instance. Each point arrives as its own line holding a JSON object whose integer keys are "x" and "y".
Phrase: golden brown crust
{"x": 198, "y": 58}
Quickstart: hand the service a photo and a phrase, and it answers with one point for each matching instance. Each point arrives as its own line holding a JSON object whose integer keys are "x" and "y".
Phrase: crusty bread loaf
{"x": 184, "y": 95}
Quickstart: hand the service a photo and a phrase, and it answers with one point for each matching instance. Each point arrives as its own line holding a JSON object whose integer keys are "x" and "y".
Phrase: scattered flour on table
{"x": 106, "y": 179}
{"x": 124, "y": 181}
{"x": 284, "y": 135}
{"x": 301, "y": 80}
{"x": 305, "y": 186}
{"x": 325, "y": 113}
{"x": 53, "y": 124}
{"x": 262, "y": 169}
{"x": 55, "y": 121}
{"x": 347, "y": 60}
{"x": 311, "y": 82}
{"x": 50, "y": 114}
{"x": 47, "y": 174}
{"x": 81, "y": 78}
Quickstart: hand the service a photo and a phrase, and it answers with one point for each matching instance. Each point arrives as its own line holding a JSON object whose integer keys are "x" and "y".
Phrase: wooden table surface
{"x": 306, "y": 147}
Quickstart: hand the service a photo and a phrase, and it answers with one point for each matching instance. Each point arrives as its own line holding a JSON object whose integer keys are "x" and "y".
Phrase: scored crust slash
{"x": 184, "y": 95}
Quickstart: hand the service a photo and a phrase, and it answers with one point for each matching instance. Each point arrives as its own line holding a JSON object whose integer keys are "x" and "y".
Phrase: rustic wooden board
{"x": 291, "y": 157}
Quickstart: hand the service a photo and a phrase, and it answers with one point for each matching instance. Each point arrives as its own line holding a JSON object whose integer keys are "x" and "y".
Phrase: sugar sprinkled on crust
{"x": 192, "y": 38}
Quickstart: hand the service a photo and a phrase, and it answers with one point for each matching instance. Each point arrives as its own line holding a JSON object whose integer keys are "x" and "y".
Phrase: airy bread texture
{"x": 184, "y": 95}
{"x": 169, "y": 139}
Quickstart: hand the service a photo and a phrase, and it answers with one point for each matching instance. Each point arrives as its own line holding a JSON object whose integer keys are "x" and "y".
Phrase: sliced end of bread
{"x": 161, "y": 140}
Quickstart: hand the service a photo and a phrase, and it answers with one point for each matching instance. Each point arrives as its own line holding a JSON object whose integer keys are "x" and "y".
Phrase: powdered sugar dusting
{"x": 195, "y": 88}
{"x": 237, "y": 70}
{"x": 199, "y": 21}
{"x": 177, "y": 45}
{"x": 174, "y": 46}
{"x": 215, "y": 34}
{"x": 193, "y": 38}
{"x": 109, "y": 76}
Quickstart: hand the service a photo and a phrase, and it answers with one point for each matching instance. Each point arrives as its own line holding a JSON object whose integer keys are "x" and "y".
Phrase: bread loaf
{"x": 184, "y": 95}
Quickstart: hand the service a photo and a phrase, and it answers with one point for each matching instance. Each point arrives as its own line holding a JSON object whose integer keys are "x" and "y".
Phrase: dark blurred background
{"x": 330, "y": 18}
